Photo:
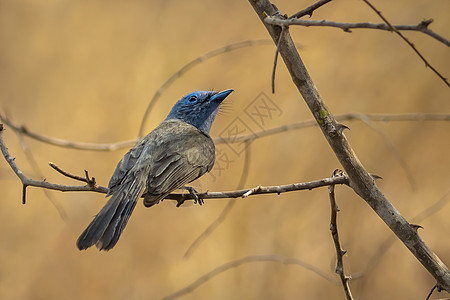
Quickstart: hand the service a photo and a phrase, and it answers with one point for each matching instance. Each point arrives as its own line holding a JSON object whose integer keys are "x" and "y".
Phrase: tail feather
{"x": 108, "y": 224}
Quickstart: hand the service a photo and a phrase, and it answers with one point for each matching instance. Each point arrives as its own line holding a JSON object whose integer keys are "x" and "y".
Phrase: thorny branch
{"x": 360, "y": 180}
{"x": 91, "y": 186}
{"x": 421, "y": 27}
{"x": 427, "y": 64}
{"x": 309, "y": 10}
{"x": 337, "y": 244}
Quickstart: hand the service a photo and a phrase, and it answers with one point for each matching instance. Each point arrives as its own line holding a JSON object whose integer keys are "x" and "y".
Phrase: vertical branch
{"x": 337, "y": 244}
{"x": 360, "y": 180}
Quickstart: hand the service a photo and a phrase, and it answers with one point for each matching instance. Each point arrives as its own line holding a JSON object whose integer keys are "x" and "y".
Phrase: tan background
{"x": 85, "y": 71}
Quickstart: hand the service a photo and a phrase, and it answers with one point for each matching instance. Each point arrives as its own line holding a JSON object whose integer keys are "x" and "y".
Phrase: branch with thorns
{"x": 347, "y": 27}
{"x": 362, "y": 182}
{"x": 335, "y": 234}
{"x": 91, "y": 185}
{"x": 282, "y": 21}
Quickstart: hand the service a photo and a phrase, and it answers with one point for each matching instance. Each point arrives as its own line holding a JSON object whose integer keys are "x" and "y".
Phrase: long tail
{"x": 108, "y": 224}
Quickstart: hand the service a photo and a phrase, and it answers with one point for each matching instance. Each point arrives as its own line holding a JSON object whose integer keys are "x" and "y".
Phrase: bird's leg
{"x": 194, "y": 195}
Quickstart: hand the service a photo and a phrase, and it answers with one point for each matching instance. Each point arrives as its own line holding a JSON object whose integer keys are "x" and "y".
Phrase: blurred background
{"x": 85, "y": 71}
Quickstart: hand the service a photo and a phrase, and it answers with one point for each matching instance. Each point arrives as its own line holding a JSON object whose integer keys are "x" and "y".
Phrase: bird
{"x": 178, "y": 151}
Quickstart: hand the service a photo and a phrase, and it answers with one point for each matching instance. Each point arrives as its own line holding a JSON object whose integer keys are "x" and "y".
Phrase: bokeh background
{"x": 86, "y": 70}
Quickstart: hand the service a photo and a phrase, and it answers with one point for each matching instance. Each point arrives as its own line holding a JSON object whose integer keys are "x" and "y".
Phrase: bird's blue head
{"x": 199, "y": 108}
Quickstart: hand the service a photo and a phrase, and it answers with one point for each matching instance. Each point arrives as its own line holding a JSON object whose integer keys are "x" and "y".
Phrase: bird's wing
{"x": 125, "y": 165}
{"x": 189, "y": 159}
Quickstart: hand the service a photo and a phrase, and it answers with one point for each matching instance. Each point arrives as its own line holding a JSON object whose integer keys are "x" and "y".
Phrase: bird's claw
{"x": 194, "y": 195}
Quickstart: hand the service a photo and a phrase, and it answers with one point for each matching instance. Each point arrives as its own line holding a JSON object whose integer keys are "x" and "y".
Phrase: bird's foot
{"x": 194, "y": 194}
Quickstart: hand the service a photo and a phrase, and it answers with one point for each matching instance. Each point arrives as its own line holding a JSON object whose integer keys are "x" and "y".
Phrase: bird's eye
{"x": 192, "y": 99}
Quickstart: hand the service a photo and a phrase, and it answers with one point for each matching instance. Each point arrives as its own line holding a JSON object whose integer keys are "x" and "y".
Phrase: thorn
{"x": 338, "y": 173}
{"x": 180, "y": 201}
{"x": 194, "y": 194}
{"x": 425, "y": 23}
{"x": 415, "y": 227}
{"x": 24, "y": 194}
{"x": 375, "y": 176}
{"x": 341, "y": 127}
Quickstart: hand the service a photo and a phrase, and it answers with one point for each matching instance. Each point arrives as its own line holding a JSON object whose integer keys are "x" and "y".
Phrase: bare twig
{"x": 360, "y": 180}
{"x": 249, "y": 259}
{"x": 340, "y": 118}
{"x": 30, "y": 158}
{"x": 67, "y": 174}
{"x": 309, "y": 10}
{"x": 235, "y": 139}
{"x": 275, "y": 60}
{"x": 43, "y": 184}
{"x": 347, "y": 27}
{"x": 278, "y": 189}
{"x": 66, "y": 143}
{"x": 207, "y": 195}
{"x": 226, "y": 210}
{"x": 427, "y": 64}
{"x": 337, "y": 244}
{"x": 431, "y": 292}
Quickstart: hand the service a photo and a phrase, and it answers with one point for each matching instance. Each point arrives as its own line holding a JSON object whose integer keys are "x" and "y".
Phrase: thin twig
{"x": 431, "y": 292}
{"x": 337, "y": 244}
{"x": 249, "y": 259}
{"x": 207, "y": 195}
{"x": 427, "y": 64}
{"x": 67, "y": 174}
{"x": 421, "y": 27}
{"x": 32, "y": 161}
{"x": 340, "y": 118}
{"x": 26, "y": 182}
{"x": 309, "y": 10}
{"x": 275, "y": 60}
{"x": 235, "y": 139}
{"x": 67, "y": 143}
{"x": 278, "y": 189}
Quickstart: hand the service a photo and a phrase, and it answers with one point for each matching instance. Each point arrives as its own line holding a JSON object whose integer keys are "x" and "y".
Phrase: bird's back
{"x": 172, "y": 155}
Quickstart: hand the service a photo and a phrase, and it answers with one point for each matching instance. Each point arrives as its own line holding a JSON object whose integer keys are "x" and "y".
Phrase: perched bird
{"x": 175, "y": 153}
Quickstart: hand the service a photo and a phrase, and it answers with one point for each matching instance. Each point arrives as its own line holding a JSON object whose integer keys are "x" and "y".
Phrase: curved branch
{"x": 236, "y": 263}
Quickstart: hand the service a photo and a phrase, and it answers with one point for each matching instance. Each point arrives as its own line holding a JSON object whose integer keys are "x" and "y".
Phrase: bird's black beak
{"x": 220, "y": 96}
